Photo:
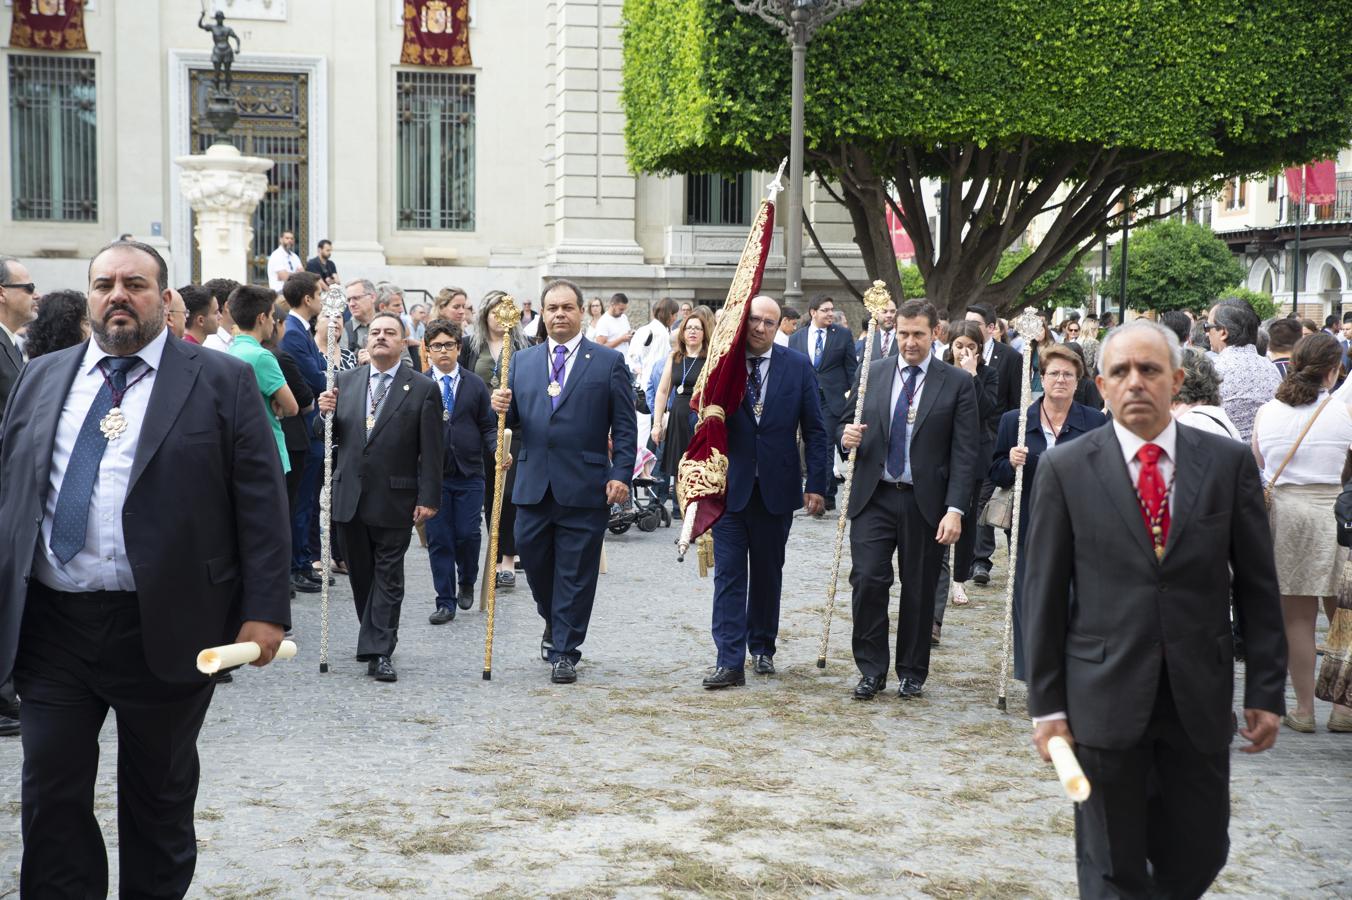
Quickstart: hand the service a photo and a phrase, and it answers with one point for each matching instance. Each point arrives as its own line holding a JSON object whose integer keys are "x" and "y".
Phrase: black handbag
{"x": 641, "y": 400}
{"x": 1342, "y": 511}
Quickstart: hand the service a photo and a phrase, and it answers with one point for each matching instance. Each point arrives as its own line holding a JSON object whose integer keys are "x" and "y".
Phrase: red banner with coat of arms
{"x": 436, "y": 33}
{"x": 48, "y": 25}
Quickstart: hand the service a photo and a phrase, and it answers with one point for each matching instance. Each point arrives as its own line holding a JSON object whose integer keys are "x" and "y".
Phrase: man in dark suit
{"x": 304, "y": 294}
{"x": 17, "y": 308}
{"x": 884, "y": 336}
{"x": 470, "y": 433}
{"x": 1140, "y": 666}
{"x": 765, "y": 486}
{"x": 387, "y": 431}
{"x": 572, "y": 402}
{"x": 830, "y": 349}
{"x": 1008, "y": 365}
{"x": 913, "y": 479}
{"x": 109, "y": 610}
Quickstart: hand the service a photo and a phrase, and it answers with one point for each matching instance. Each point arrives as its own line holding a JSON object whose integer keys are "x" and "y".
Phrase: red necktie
{"x": 1154, "y": 497}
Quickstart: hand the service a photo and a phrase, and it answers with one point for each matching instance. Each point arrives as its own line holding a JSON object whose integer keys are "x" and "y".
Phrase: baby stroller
{"x": 643, "y": 508}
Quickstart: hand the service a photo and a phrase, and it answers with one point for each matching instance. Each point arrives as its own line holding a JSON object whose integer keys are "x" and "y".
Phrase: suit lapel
{"x": 1189, "y": 469}
{"x": 173, "y": 382}
{"x": 1116, "y": 481}
{"x": 934, "y": 383}
{"x": 11, "y": 352}
{"x": 881, "y": 377}
{"x": 46, "y": 417}
{"x": 352, "y": 398}
{"x": 394, "y": 398}
{"x": 581, "y": 360}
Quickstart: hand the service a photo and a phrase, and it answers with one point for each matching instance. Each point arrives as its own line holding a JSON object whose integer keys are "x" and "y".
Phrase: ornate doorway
{"x": 273, "y": 114}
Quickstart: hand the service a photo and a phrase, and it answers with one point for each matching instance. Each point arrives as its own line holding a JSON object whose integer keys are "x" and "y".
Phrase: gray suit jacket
{"x": 1103, "y": 617}
{"x": 11, "y": 361}
{"x": 945, "y": 440}
{"x": 380, "y": 480}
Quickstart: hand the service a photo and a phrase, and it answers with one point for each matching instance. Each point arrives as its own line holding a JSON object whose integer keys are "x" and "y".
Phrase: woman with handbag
{"x": 1053, "y": 419}
{"x": 1300, "y": 440}
{"x": 673, "y": 423}
{"x": 965, "y": 340}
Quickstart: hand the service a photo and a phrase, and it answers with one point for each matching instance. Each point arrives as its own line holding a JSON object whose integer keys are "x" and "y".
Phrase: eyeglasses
{"x": 176, "y": 312}
{"x": 28, "y": 286}
{"x": 753, "y": 321}
{"x": 443, "y": 347}
{"x": 1059, "y": 376}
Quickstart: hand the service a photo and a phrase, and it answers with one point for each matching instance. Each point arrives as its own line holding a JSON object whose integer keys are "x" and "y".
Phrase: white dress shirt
{"x": 645, "y": 353}
{"x": 282, "y": 260}
{"x": 374, "y": 385}
{"x": 764, "y": 374}
{"x": 221, "y": 340}
{"x": 812, "y": 333}
{"x": 569, "y": 359}
{"x": 101, "y": 565}
{"x": 988, "y": 350}
{"x": 885, "y": 341}
{"x": 1167, "y": 441}
{"x": 781, "y": 338}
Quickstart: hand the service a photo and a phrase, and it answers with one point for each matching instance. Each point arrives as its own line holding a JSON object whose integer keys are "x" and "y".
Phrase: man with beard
{"x": 92, "y": 607}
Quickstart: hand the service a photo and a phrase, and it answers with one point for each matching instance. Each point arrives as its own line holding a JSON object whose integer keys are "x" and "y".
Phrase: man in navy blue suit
{"x": 471, "y": 431}
{"x": 765, "y": 486}
{"x": 572, "y": 403}
{"x": 304, "y": 294}
{"x": 830, "y": 349}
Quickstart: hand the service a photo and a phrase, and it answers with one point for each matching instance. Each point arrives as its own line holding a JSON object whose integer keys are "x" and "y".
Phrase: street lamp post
{"x": 798, "y": 20}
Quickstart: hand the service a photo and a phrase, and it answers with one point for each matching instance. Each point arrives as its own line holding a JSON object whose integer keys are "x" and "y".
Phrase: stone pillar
{"x": 223, "y": 188}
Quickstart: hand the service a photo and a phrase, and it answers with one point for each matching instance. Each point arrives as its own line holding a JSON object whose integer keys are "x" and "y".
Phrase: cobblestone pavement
{"x": 635, "y": 782}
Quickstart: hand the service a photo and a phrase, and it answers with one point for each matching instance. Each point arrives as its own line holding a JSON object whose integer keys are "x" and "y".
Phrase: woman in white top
{"x": 595, "y": 310}
{"x": 1198, "y": 401}
{"x": 1309, "y": 562}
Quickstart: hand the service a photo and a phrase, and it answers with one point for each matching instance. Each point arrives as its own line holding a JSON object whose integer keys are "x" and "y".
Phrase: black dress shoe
{"x": 870, "y": 686}
{"x": 506, "y": 580}
{"x": 312, "y": 575}
{"x": 935, "y": 630}
{"x": 981, "y": 574}
{"x": 830, "y": 504}
{"x": 564, "y": 672}
{"x": 443, "y": 615}
{"x": 371, "y": 666}
{"x": 547, "y": 643}
{"x": 723, "y": 677}
{"x": 764, "y": 665}
{"x": 384, "y": 670}
{"x": 300, "y": 583}
{"x": 224, "y": 678}
{"x": 8, "y": 726}
{"x": 909, "y": 689}
{"x": 464, "y": 598}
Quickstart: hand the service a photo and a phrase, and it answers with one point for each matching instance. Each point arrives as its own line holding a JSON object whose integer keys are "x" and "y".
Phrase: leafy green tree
{"x": 912, "y": 282}
{"x": 1261, "y": 301}
{"x": 1052, "y": 287}
{"x": 1080, "y": 109}
{"x": 1173, "y": 265}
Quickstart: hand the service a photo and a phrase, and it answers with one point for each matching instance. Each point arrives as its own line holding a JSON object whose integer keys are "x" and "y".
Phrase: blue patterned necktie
{"x": 896, "y": 438}
{"x": 754, "y": 383}
{"x": 447, "y": 396}
{"x": 71, "y": 520}
{"x": 817, "y": 355}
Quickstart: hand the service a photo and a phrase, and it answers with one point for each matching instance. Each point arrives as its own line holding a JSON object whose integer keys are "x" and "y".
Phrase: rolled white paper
{"x": 213, "y": 659}
{"x": 1068, "y": 769}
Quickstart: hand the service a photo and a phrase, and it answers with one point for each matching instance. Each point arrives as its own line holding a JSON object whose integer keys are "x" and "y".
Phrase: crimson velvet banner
{"x": 1318, "y": 182}
{"x": 436, "y": 33}
{"x": 704, "y": 468}
{"x": 48, "y": 25}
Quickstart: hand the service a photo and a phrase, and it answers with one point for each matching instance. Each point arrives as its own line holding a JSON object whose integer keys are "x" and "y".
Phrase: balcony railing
{"x": 1340, "y": 210}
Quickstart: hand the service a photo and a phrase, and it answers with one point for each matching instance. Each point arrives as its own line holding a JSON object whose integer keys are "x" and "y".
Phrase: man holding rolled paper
{"x": 1138, "y": 671}
{"x": 388, "y": 443}
{"x": 109, "y": 587}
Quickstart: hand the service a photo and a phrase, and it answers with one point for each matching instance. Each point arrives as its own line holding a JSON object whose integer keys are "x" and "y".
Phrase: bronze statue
{"x": 222, "y": 57}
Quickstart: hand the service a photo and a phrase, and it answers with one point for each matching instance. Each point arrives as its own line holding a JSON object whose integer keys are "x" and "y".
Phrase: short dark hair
{"x": 387, "y": 315}
{"x": 914, "y": 309}
{"x": 196, "y": 299}
{"x": 1347, "y": 317}
{"x": 1178, "y": 322}
{"x": 221, "y": 289}
{"x": 1330, "y": 320}
{"x": 324, "y": 242}
{"x": 572, "y": 286}
{"x": 248, "y": 302}
{"x": 298, "y": 286}
{"x": 1283, "y": 334}
{"x": 1239, "y": 321}
{"x": 61, "y": 315}
{"x": 162, "y": 268}
{"x": 985, "y": 312}
{"x": 438, "y": 327}
{"x": 816, "y": 302}
{"x": 789, "y": 313}
{"x": 617, "y": 296}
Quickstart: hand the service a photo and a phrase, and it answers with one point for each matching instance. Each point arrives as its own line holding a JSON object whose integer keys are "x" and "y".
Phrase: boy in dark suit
{"x": 471, "y": 433}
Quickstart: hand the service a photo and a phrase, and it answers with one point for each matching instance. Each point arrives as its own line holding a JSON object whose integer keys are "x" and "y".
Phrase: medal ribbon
{"x": 115, "y": 393}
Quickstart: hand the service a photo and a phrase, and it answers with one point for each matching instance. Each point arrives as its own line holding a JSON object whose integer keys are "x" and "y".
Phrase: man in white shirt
{"x": 283, "y": 262}
{"x": 652, "y": 342}
{"x": 788, "y": 324}
{"x": 613, "y": 329}
{"x": 221, "y": 289}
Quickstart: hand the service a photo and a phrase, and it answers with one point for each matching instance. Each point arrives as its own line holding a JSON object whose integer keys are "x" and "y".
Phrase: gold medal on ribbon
{"x": 554, "y": 389}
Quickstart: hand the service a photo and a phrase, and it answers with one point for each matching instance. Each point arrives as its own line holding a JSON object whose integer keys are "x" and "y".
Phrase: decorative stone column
{"x": 223, "y": 188}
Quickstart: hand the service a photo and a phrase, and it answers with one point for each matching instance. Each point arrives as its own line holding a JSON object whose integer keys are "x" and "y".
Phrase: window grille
{"x": 435, "y": 128}
{"x": 713, "y": 199}
{"x": 53, "y": 138}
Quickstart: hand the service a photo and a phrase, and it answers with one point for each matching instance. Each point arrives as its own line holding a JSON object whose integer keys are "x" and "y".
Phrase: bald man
{"x": 765, "y": 487}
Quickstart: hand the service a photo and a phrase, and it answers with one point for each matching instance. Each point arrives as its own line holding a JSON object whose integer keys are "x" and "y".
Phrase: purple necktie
{"x": 556, "y": 374}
